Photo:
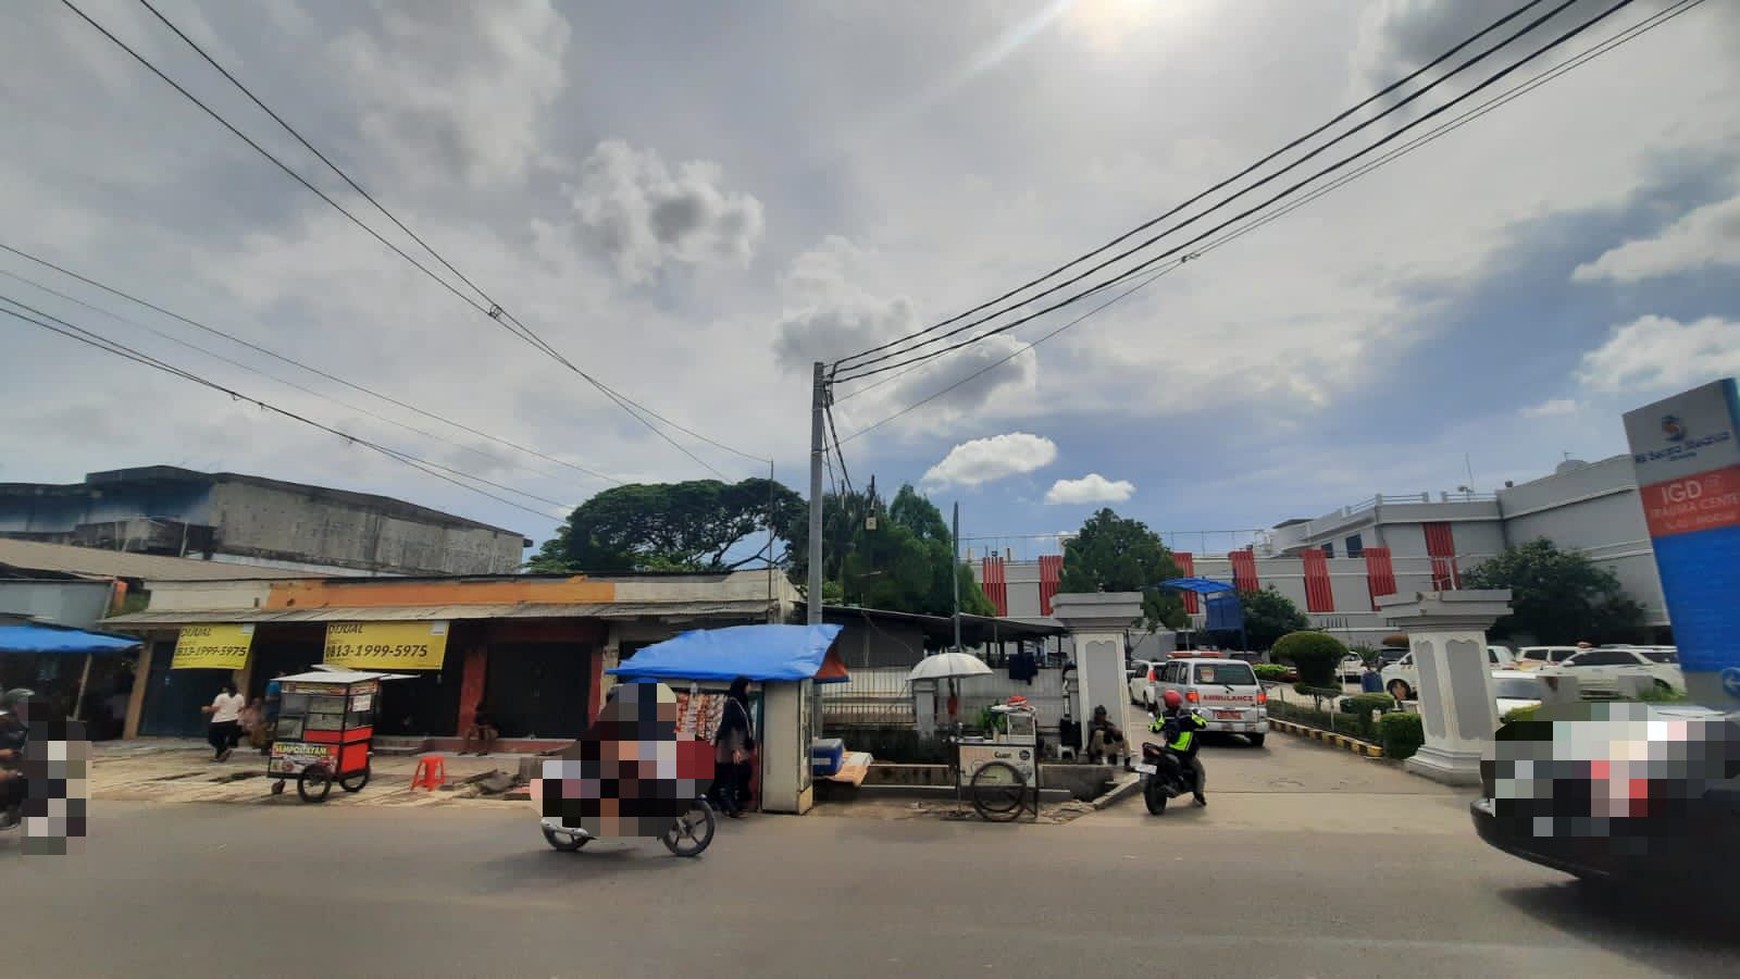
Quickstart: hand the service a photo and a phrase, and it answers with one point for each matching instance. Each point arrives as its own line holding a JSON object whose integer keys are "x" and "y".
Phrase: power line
{"x": 56, "y": 325}
{"x": 494, "y": 310}
{"x": 1337, "y": 165}
{"x": 1511, "y": 94}
{"x": 214, "y": 331}
{"x": 1391, "y": 88}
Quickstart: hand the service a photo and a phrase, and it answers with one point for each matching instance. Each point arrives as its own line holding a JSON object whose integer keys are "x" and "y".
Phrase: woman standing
{"x": 731, "y": 746}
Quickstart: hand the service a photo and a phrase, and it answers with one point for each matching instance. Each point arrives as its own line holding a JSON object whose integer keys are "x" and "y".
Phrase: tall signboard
{"x": 1686, "y": 450}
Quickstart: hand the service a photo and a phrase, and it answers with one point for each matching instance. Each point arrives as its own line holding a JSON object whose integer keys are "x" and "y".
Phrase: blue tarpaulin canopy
{"x": 758, "y": 652}
{"x": 38, "y": 637}
{"x": 1202, "y": 586}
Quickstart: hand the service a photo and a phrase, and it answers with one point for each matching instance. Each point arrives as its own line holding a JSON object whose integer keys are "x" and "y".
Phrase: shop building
{"x": 531, "y": 648}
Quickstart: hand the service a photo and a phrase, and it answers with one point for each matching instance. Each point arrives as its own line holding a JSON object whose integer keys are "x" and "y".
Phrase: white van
{"x": 1224, "y": 691}
{"x": 1535, "y": 657}
{"x": 1402, "y": 678}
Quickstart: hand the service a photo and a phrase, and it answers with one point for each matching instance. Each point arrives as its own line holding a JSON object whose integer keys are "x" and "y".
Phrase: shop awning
{"x": 40, "y": 637}
{"x": 758, "y": 652}
{"x": 748, "y": 608}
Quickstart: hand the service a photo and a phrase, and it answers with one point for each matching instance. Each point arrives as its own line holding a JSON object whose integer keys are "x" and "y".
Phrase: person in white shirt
{"x": 226, "y": 715}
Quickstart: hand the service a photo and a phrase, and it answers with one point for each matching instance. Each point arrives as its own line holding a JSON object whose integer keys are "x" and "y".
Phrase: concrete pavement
{"x": 1295, "y": 875}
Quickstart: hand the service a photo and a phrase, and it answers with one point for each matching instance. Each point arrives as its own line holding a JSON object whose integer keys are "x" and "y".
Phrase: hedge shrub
{"x": 1401, "y": 734}
{"x": 1519, "y": 714}
{"x": 1311, "y": 717}
{"x": 1315, "y": 654}
{"x": 1273, "y": 672}
{"x": 1360, "y": 706}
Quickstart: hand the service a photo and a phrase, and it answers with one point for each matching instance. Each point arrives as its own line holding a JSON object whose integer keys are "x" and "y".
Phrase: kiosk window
{"x": 293, "y": 703}
{"x": 289, "y": 728}
{"x": 325, "y": 722}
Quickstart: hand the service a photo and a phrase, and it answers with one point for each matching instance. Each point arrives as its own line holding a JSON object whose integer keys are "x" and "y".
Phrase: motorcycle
{"x": 689, "y": 834}
{"x": 1164, "y": 778}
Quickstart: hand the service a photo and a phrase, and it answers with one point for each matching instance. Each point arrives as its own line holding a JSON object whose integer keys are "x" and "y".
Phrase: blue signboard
{"x": 1686, "y": 450}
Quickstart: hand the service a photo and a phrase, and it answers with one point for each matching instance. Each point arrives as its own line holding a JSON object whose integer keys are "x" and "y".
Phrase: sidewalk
{"x": 182, "y": 770}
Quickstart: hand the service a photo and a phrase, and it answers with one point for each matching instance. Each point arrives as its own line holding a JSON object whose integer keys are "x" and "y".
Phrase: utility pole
{"x": 955, "y": 545}
{"x": 818, "y": 450}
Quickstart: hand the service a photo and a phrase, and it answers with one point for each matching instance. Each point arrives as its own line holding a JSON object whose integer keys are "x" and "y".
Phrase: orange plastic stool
{"x": 431, "y": 773}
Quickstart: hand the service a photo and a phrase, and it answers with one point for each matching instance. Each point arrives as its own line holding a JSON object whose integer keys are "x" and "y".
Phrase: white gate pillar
{"x": 1097, "y": 624}
{"x": 1447, "y": 635}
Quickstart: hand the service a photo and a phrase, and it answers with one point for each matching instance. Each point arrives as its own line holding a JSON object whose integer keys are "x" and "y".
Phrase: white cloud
{"x": 1705, "y": 238}
{"x": 1556, "y": 406}
{"x": 1092, "y": 488}
{"x": 1656, "y": 352}
{"x": 643, "y": 214}
{"x": 985, "y": 460}
{"x": 460, "y": 81}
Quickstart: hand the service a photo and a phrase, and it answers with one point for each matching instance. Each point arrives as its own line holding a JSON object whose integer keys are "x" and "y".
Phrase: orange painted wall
{"x": 378, "y": 592}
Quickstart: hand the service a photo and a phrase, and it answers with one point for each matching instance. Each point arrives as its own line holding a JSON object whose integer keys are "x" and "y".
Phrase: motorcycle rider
{"x": 14, "y": 733}
{"x": 1179, "y": 727}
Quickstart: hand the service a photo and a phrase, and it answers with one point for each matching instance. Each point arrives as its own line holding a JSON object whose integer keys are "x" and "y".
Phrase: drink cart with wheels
{"x": 326, "y": 730}
{"x": 1000, "y": 773}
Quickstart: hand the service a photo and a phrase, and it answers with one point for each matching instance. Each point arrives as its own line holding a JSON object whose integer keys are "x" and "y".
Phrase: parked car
{"x": 1535, "y": 657}
{"x": 1140, "y": 677}
{"x": 1637, "y": 794}
{"x": 1351, "y": 669}
{"x": 1598, "y": 670}
{"x": 1225, "y": 691}
{"x": 1402, "y": 678}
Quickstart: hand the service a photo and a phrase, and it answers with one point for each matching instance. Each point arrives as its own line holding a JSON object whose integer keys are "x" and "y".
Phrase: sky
{"x": 693, "y": 202}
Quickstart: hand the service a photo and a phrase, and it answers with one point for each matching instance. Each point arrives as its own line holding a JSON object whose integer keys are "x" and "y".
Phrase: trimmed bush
{"x": 1519, "y": 714}
{"x": 1401, "y": 734}
{"x": 1360, "y": 706}
{"x": 1273, "y": 672}
{"x": 1315, "y": 654}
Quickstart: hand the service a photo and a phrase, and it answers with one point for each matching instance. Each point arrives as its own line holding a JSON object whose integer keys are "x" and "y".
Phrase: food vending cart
{"x": 1001, "y": 771}
{"x": 325, "y": 732}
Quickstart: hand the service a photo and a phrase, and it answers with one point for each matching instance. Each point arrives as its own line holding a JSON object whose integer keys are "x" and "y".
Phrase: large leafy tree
{"x": 897, "y": 556}
{"x": 1114, "y": 553}
{"x": 693, "y": 526}
{"x": 1269, "y": 615}
{"x": 1557, "y": 596}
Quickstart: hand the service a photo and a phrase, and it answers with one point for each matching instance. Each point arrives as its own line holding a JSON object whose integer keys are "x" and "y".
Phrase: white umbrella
{"x": 944, "y": 666}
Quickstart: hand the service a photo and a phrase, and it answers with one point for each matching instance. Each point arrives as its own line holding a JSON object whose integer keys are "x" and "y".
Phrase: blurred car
{"x": 1140, "y": 677}
{"x": 1402, "y": 678}
{"x": 1639, "y": 793}
{"x": 1352, "y": 667}
{"x": 1535, "y": 657}
{"x": 1516, "y": 688}
{"x": 1599, "y": 670}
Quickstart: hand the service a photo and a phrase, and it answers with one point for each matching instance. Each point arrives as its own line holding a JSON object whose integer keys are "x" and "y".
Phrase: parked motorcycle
{"x": 1164, "y": 778}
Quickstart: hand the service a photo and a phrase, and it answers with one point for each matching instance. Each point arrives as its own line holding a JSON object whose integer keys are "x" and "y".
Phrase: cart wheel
{"x": 314, "y": 784}
{"x": 563, "y": 841}
{"x": 693, "y": 830}
{"x": 355, "y": 781}
{"x": 278, "y": 787}
{"x": 999, "y": 792}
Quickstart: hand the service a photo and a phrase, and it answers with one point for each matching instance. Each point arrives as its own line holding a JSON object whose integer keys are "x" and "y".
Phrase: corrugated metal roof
{"x": 445, "y": 613}
{"x": 121, "y": 564}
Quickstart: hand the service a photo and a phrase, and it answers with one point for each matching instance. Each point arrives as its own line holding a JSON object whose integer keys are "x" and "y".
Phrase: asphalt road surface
{"x": 1308, "y": 862}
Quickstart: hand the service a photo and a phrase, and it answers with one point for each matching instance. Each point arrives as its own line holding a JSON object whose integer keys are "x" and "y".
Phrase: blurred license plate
{"x": 1227, "y": 715}
{"x": 1145, "y": 768}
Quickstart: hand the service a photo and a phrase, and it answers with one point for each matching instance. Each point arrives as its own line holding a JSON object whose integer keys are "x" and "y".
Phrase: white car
{"x": 1141, "y": 681}
{"x": 1402, "y": 678}
{"x": 1224, "y": 691}
{"x": 1598, "y": 670}
{"x": 1351, "y": 669}
{"x": 1535, "y": 657}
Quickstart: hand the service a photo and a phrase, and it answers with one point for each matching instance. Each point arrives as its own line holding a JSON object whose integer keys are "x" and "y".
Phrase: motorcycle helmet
{"x": 1173, "y": 699}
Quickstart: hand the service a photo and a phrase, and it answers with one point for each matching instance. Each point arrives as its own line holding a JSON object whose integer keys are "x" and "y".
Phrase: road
{"x": 1307, "y": 862}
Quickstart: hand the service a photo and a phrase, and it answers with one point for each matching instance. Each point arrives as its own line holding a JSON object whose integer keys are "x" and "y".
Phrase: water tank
{"x": 1569, "y": 465}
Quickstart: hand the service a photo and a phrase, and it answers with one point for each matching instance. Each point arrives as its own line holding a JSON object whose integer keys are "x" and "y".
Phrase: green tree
{"x": 1557, "y": 596}
{"x": 1315, "y": 654}
{"x": 1114, "y": 553}
{"x": 691, "y": 526}
{"x": 1269, "y": 615}
{"x": 898, "y": 557}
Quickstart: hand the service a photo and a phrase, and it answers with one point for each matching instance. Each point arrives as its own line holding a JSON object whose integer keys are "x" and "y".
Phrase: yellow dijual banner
{"x": 213, "y": 647}
{"x": 386, "y": 645}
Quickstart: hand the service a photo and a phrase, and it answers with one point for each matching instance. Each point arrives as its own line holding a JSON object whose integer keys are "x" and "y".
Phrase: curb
{"x": 1128, "y": 785}
{"x": 1341, "y": 741}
